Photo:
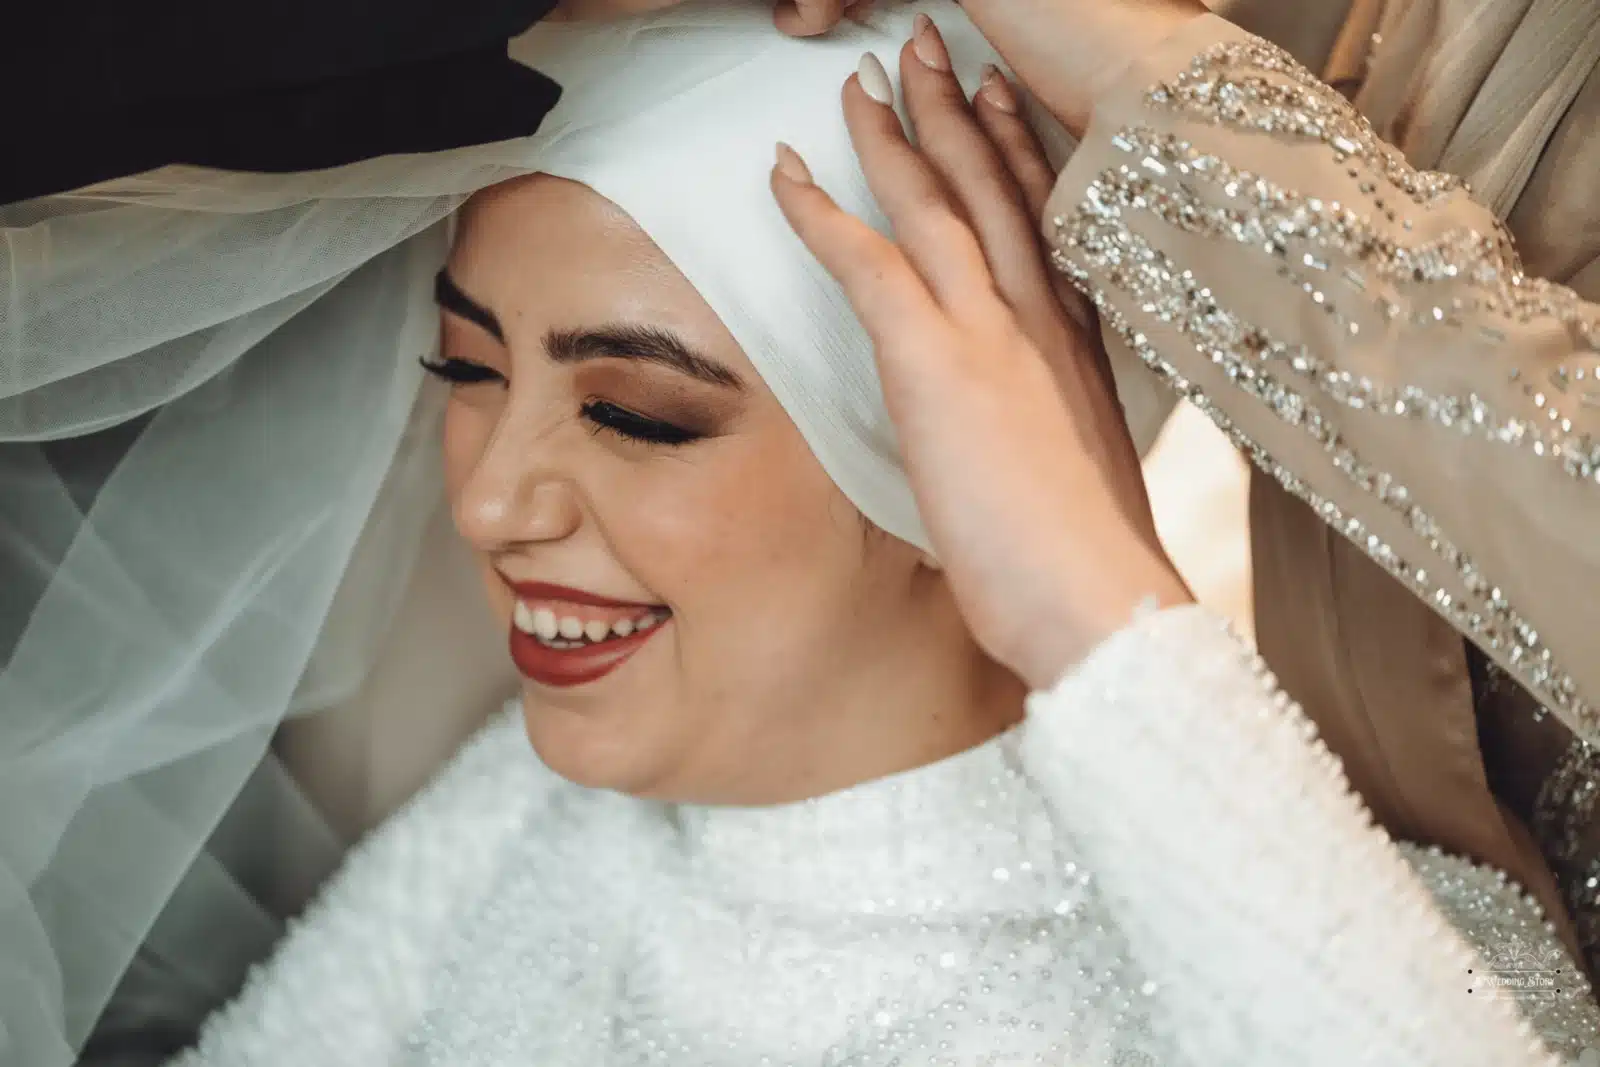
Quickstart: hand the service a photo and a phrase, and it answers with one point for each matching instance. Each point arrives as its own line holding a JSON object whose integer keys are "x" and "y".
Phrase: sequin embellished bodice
{"x": 622, "y": 932}
{"x": 1160, "y": 866}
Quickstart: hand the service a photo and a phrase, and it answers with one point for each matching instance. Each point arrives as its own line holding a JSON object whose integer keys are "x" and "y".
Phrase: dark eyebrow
{"x": 623, "y": 341}
{"x": 450, "y": 297}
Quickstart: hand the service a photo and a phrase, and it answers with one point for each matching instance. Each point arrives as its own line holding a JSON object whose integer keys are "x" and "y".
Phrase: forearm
{"x": 1277, "y": 924}
{"x": 1363, "y": 332}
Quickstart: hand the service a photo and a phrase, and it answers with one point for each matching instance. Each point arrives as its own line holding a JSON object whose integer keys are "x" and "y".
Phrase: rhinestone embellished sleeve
{"x": 1243, "y": 871}
{"x": 1363, "y": 331}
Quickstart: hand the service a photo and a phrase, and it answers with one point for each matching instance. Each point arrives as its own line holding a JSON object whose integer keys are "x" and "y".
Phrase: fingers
{"x": 972, "y": 169}
{"x": 999, "y": 113}
{"x": 927, "y": 224}
{"x": 807, "y": 18}
{"x": 889, "y": 296}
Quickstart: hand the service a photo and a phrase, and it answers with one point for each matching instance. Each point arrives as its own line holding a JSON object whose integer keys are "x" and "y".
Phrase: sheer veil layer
{"x": 217, "y": 454}
{"x": 216, "y": 461}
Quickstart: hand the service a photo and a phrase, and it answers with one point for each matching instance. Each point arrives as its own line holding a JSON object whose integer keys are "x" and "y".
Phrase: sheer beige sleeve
{"x": 1363, "y": 331}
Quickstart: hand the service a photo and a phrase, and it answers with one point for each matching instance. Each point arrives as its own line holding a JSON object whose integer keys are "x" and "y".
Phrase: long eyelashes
{"x": 460, "y": 371}
{"x": 601, "y": 414}
{"x": 635, "y": 427}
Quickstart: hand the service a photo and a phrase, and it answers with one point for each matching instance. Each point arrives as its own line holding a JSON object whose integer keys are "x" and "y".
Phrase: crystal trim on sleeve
{"x": 1173, "y": 296}
{"x": 1254, "y": 88}
{"x": 1298, "y": 232}
{"x": 1227, "y": 85}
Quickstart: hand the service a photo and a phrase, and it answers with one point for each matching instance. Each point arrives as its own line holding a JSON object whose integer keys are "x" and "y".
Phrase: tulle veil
{"x": 216, "y": 469}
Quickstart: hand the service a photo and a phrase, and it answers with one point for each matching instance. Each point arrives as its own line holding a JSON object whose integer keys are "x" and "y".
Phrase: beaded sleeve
{"x": 1363, "y": 331}
{"x": 350, "y": 978}
{"x": 1276, "y": 922}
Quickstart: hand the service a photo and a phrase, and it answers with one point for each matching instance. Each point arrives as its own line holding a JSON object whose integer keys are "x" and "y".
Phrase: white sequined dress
{"x": 1160, "y": 866}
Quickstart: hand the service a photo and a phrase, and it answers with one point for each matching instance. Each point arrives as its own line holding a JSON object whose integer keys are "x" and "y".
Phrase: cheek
{"x": 748, "y": 520}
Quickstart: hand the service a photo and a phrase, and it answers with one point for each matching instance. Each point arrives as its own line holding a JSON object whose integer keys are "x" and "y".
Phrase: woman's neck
{"x": 923, "y": 693}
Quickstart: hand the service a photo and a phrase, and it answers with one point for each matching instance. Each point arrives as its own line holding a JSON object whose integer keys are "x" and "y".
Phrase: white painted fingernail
{"x": 875, "y": 80}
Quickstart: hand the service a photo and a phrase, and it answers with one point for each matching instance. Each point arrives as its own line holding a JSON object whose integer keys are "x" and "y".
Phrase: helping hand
{"x": 1069, "y": 52}
{"x": 1065, "y": 51}
{"x": 1011, "y": 432}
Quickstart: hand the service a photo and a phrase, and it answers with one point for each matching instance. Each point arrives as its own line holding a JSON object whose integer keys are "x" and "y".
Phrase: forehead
{"x": 558, "y": 255}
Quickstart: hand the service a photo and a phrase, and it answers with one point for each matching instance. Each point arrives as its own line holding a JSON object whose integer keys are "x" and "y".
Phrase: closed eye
{"x": 460, "y": 371}
{"x": 631, "y": 425}
{"x": 602, "y": 414}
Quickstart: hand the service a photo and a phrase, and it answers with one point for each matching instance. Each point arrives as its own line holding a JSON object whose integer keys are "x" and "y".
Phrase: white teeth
{"x": 568, "y": 631}
{"x": 545, "y": 625}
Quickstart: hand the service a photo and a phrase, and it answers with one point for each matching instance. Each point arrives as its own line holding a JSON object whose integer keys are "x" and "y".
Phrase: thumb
{"x": 807, "y": 18}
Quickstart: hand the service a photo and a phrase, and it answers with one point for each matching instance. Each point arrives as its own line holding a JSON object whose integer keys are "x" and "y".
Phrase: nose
{"x": 514, "y": 495}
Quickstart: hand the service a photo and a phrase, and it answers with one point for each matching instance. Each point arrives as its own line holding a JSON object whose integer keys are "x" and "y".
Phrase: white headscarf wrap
{"x": 691, "y": 169}
{"x": 168, "y": 589}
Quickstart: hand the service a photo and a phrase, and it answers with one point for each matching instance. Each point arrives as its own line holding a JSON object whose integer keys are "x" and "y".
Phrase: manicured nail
{"x": 791, "y": 166}
{"x": 928, "y": 45}
{"x": 997, "y": 91}
{"x": 875, "y": 80}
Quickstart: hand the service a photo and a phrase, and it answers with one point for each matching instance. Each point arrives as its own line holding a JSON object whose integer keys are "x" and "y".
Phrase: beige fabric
{"x": 1307, "y": 29}
{"x": 1500, "y": 92}
{"x": 1384, "y": 676}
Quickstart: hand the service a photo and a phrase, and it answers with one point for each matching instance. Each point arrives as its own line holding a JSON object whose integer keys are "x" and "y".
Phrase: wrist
{"x": 1069, "y": 53}
{"x": 1092, "y": 607}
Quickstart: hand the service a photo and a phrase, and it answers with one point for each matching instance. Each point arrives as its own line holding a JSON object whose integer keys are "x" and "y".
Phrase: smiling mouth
{"x": 563, "y": 643}
{"x": 569, "y": 629}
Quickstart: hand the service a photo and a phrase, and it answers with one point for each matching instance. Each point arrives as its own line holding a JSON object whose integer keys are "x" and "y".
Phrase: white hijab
{"x": 259, "y": 336}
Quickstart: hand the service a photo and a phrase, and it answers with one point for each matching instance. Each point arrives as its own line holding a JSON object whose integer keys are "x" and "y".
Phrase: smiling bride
{"x": 817, "y": 758}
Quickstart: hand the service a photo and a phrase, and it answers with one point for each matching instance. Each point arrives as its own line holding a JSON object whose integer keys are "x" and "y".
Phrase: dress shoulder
{"x": 350, "y": 978}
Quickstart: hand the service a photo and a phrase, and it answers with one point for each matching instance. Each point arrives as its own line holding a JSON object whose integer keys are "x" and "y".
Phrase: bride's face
{"x": 622, "y": 471}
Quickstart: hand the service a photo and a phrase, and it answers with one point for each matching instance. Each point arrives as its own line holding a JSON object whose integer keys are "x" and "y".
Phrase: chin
{"x": 594, "y": 751}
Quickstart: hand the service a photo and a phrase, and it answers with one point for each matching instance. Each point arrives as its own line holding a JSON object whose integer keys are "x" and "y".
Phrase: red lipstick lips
{"x": 589, "y": 661}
